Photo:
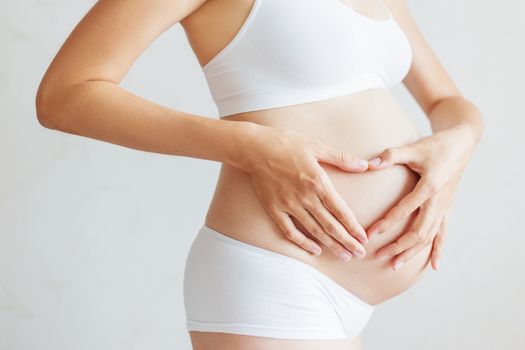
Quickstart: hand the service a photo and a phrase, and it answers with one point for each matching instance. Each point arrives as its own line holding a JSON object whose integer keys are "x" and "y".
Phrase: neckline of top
{"x": 251, "y": 15}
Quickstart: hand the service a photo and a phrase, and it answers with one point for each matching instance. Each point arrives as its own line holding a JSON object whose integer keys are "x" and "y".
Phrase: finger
{"x": 340, "y": 159}
{"x": 333, "y": 201}
{"x": 317, "y": 231}
{"x": 406, "y": 255}
{"x": 391, "y": 156}
{"x": 291, "y": 232}
{"x": 406, "y": 206}
{"x": 436, "y": 251}
{"x": 334, "y": 229}
{"x": 438, "y": 244}
{"x": 399, "y": 260}
{"x": 417, "y": 232}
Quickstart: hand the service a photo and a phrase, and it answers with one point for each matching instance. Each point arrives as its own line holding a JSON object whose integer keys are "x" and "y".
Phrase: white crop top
{"x": 296, "y": 51}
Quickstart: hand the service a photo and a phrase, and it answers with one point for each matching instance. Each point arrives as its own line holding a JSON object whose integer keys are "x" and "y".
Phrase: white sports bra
{"x": 296, "y": 51}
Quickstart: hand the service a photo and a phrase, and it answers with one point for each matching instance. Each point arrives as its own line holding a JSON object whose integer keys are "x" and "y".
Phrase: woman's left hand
{"x": 440, "y": 160}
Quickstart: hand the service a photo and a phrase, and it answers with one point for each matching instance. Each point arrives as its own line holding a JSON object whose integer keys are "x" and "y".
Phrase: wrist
{"x": 240, "y": 132}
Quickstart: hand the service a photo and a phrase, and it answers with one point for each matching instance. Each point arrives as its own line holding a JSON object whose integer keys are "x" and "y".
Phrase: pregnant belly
{"x": 362, "y": 124}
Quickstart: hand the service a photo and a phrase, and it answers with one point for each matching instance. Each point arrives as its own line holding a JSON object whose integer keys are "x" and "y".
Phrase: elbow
{"x": 481, "y": 125}
{"x": 44, "y": 107}
{"x": 477, "y": 120}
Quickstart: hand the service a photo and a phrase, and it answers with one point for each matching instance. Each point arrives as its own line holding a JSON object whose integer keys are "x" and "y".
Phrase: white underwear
{"x": 234, "y": 287}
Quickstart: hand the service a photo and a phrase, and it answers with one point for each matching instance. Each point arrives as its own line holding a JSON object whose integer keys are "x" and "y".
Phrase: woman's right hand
{"x": 286, "y": 175}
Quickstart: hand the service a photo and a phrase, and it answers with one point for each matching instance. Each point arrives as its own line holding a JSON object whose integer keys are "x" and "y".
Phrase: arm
{"x": 430, "y": 84}
{"x": 79, "y": 94}
{"x": 440, "y": 158}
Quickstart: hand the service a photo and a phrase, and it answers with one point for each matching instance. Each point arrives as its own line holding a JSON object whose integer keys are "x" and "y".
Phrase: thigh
{"x": 227, "y": 341}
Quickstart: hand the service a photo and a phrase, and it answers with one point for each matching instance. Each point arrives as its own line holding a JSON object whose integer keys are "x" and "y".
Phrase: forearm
{"x": 454, "y": 111}
{"x": 104, "y": 111}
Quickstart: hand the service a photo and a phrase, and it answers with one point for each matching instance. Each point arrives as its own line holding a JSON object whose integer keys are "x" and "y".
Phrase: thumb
{"x": 391, "y": 156}
{"x": 341, "y": 159}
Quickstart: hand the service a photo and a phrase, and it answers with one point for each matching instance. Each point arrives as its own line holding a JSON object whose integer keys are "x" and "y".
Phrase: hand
{"x": 289, "y": 181}
{"x": 431, "y": 221}
{"x": 440, "y": 160}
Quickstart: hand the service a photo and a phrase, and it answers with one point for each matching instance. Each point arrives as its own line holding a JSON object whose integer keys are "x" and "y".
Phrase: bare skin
{"x": 80, "y": 94}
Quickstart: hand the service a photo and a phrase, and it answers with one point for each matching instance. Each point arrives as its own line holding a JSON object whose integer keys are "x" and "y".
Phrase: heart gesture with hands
{"x": 440, "y": 160}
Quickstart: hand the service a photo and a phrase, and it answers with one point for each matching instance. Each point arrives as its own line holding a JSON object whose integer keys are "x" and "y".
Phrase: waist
{"x": 362, "y": 123}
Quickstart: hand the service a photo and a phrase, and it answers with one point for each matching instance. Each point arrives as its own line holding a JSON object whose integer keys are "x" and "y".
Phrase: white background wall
{"x": 93, "y": 236}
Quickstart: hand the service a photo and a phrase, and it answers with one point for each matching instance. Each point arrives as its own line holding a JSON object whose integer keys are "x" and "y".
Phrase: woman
{"x": 326, "y": 188}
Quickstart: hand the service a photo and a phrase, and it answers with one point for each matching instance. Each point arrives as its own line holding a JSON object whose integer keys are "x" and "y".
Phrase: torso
{"x": 361, "y": 123}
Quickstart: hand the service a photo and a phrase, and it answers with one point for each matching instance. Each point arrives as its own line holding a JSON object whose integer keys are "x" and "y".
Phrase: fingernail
{"x": 316, "y": 251}
{"x": 362, "y": 163}
{"x": 398, "y": 265}
{"x": 345, "y": 256}
{"x": 363, "y": 237}
{"x": 375, "y": 162}
{"x": 360, "y": 254}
